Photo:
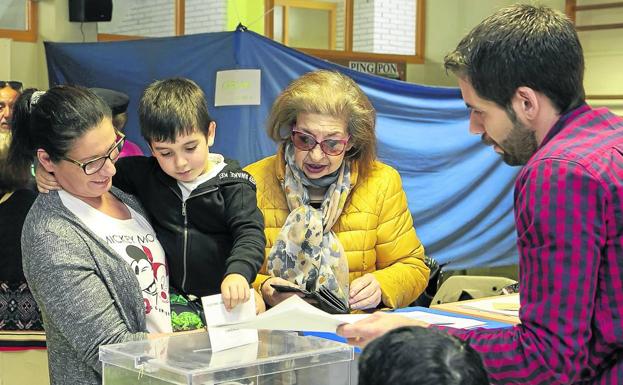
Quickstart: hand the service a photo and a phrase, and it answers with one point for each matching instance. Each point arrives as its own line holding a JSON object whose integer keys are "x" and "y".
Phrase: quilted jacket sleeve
{"x": 399, "y": 253}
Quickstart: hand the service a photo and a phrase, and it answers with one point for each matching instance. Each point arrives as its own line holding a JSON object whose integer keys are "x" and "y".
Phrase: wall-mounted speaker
{"x": 90, "y": 10}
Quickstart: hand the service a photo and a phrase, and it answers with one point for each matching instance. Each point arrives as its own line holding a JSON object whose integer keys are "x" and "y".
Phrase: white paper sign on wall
{"x": 237, "y": 88}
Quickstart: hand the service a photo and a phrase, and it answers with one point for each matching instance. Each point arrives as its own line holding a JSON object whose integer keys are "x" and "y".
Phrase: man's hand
{"x": 362, "y": 332}
{"x": 234, "y": 290}
{"x": 365, "y": 292}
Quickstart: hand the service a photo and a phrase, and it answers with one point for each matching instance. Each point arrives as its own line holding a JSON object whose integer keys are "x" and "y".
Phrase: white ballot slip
{"x": 296, "y": 314}
{"x": 504, "y": 304}
{"x": 230, "y": 335}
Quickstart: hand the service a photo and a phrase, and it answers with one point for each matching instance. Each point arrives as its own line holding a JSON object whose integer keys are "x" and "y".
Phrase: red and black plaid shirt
{"x": 569, "y": 219}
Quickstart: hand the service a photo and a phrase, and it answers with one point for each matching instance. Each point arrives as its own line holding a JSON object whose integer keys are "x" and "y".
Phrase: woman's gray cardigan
{"x": 87, "y": 294}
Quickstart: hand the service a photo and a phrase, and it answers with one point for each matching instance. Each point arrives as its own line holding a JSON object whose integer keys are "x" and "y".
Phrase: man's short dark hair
{"x": 173, "y": 107}
{"x": 522, "y": 45}
{"x": 415, "y": 355}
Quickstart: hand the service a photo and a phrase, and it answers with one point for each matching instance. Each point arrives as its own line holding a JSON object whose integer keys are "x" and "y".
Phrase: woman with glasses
{"x": 336, "y": 218}
{"x": 91, "y": 258}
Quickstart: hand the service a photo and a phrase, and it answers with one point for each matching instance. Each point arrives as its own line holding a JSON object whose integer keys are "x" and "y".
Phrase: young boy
{"x": 414, "y": 355}
{"x": 202, "y": 206}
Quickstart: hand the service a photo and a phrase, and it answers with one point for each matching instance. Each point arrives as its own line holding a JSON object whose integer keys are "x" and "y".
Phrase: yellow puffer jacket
{"x": 375, "y": 228}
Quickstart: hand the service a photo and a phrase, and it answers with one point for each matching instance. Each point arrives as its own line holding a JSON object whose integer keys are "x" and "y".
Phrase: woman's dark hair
{"x": 11, "y": 178}
{"x": 415, "y": 355}
{"x": 52, "y": 120}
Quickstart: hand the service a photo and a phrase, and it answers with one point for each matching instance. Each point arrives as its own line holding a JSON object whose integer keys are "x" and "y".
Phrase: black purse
{"x": 323, "y": 298}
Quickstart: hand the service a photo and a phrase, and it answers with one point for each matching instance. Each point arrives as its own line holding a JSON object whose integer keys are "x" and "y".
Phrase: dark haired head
{"x": 53, "y": 122}
{"x": 415, "y": 355}
{"x": 172, "y": 107}
{"x": 522, "y": 45}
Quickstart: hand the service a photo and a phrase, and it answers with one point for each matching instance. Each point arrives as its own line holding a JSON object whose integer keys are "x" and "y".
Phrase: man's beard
{"x": 5, "y": 142}
{"x": 519, "y": 145}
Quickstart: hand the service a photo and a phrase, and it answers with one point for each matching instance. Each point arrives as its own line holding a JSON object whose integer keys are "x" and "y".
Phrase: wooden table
{"x": 482, "y": 308}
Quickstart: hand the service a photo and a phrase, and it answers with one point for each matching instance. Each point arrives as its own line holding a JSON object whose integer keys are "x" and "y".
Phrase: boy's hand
{"x": 45, "y": 180}
{"x": 235, "y": 290}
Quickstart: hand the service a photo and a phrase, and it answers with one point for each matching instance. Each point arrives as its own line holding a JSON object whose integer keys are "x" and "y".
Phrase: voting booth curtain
{"x": 459, "y": 191}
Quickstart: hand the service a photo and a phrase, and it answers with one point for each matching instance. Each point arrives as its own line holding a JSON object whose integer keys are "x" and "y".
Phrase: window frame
{"x": 32, "y": 23}
{"x": 348, "y": 53}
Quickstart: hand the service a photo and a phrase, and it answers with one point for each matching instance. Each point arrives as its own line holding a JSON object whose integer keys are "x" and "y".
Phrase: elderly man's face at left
{"x": 8, "y": 96}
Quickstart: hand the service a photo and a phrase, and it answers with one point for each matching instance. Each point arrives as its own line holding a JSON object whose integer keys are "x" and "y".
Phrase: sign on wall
{"x": 386, "y": 69}
{"x": 237, "y": 88}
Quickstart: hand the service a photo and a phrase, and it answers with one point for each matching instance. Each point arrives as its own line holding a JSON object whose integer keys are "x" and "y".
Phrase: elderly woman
{"x": 336, "y": 218}
{"x": 91, "y": 258}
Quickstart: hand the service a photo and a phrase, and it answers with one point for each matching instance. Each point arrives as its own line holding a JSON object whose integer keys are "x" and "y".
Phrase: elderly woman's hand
{"x": 365, "y": 292}
{"x": 260, "y": 306}
{"x": 271, "y": 296}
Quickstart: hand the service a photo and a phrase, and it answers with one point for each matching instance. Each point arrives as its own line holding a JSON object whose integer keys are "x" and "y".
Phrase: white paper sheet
{"x": 230, "y": 335}
{"x": 296, "y": 314}
{"x": 493, "y": 304}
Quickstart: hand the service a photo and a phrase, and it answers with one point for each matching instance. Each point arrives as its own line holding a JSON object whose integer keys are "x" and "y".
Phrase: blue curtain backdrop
{"x": 459, "y": 191}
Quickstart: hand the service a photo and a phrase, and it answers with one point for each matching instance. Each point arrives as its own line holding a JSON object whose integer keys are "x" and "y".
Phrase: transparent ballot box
{"x": 279, "y": 358}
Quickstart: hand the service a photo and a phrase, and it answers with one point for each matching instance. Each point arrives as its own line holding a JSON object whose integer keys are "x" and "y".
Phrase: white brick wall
{"x": 156, "y": 18}
{"x": 339, "y": 28}
{"x": 206, "y": 16}
{"x": 363, "y": 25}
{"x": 384, "y": 26}
{"x": 394, "y": 27}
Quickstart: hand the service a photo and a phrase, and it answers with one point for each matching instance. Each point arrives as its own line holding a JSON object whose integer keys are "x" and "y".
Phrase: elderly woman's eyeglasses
{"x": 17, "y": 86}
{"x": 94, "y": 165}
{"x": 307, "y": 142}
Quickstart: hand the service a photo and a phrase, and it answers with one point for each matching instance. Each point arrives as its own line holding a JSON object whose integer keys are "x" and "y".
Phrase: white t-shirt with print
{"x": 135, "y": 241}
{"x": 218, "y": 164}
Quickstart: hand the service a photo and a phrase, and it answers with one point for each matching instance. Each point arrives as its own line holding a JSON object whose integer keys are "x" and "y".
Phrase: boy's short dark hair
{"x": 415, "y": 355}
{"x": 522, "y": 45}
{"x": 172, "y": 107}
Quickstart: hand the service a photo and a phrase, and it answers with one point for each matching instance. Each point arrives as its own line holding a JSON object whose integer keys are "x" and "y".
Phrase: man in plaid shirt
{"x": 520, "y": 72}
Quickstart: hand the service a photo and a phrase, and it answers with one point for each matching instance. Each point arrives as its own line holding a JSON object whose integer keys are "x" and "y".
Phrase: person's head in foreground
{"x": 416, "y": 355}
{"x": 69, "y": 130}
{"x": 321, "y": 119}
{"x": 519, "y": 70}
{"x": 174, "y": 120}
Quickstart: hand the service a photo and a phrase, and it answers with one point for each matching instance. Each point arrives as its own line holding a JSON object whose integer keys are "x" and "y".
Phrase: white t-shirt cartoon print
{"x": 135, "y": 241}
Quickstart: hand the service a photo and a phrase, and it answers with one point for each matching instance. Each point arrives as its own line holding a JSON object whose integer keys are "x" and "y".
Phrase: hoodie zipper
{"x": 185, "y": 244}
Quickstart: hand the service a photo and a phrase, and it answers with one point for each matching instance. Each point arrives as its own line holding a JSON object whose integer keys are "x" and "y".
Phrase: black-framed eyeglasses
{"x": 94, "y": 165}
{"x": 307, "y": 142}
{"x": 14, "y": 84}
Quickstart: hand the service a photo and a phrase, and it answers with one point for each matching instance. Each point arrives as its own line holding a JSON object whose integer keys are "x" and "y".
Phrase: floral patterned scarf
{"x": 306, "y": 251}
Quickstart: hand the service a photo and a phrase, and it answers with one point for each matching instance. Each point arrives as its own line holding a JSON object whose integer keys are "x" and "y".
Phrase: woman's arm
{"x": 61, "y": 270}
{"x": 401, "y": 271}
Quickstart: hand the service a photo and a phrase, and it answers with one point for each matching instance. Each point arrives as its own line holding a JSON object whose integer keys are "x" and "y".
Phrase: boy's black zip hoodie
{"x": 217, "y": 231}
